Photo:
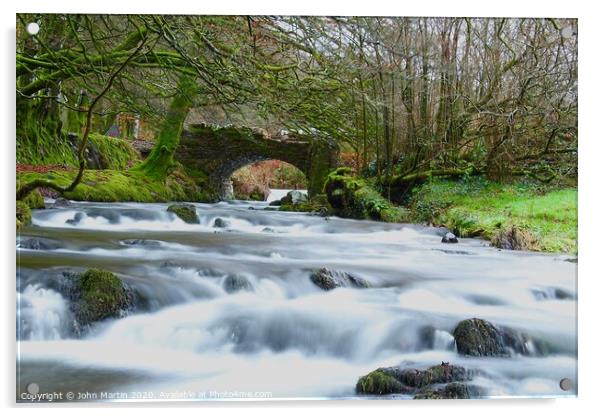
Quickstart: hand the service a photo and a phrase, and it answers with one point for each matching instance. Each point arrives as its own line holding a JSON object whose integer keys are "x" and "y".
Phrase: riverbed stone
{"x": 61, "y": 203}
{"x": 220, "y": 223}
{"x": 453, "y": 390}
{"x": 186, "y": 212}
{"x": 406, "y": 380}
{"x": 331, "y": 279}
{"x": 100, "y": 295}
{"x": 480, "y": 338}
{"x": 449, "y": 238}
{"x": 142, "y": 242}
{"x": 39, "y": 244}
{"x": 235, "y": 283}
{"x": 293, "y": 198}
{"x": 379, "y": 383}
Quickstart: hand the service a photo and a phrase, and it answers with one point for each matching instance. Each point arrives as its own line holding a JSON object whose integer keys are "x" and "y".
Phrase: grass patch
{"x": 537, "y": 218}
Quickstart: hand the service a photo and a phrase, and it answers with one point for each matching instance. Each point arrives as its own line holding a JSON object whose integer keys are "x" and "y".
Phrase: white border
{"x": 590, "y": 189}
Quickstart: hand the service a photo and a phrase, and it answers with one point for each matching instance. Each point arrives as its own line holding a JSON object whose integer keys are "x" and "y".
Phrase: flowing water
{"x": 192, "y": 335}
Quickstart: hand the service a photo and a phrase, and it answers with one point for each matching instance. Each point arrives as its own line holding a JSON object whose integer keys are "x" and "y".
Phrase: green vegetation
{"x": 113, "y": 186}
{"x": 112, "y": 153}
{"x": 536, "y": 217}
{"x": 102, "y": 295}
{"x": 355, "y": 197}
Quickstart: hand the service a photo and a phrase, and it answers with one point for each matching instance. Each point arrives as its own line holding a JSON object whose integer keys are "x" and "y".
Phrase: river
{"x": 281, "y": 336}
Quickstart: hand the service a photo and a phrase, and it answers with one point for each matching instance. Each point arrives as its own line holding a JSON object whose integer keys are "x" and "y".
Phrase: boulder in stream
{"x": 452, "y": 390}
{"x": 406, "y": 380}
{"x": 293, "y": 198}
{"x": 234, "y": 283}
{"x": 186, "y": 212}
{"x": 220, "y": 223}
{"x": 331, "y": 279}
{"x": 449, "y": 238}
{"x": 76, "y": 219}
{"x": 99, "y": 294}
{"x": 480, "y": 338}
{"x": 39, "y": 244}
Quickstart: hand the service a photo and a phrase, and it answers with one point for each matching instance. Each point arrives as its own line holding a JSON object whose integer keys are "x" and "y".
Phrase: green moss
{"x": 117, "y": 154}
{"x": 23, "y": 214}
{"x": 186, "y": 212}
{"x": 56, "y": 149}
{"x": 159, "y": 162}
{"x": 534, "y": 218}
{"x": 355, "y": 197}
{"x": 114, "y": 186}
{"x": 35, "y": 200}
{"x": 377, "y": 382}
{"x": 102, "y": 295}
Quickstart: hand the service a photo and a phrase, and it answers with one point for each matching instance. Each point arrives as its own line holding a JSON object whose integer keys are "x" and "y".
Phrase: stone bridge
{"x": 220, "y": 151}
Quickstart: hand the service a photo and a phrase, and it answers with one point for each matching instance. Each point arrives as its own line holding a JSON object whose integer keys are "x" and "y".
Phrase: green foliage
{"x": 534, "y": 217}
{"x": 354, "y": 197}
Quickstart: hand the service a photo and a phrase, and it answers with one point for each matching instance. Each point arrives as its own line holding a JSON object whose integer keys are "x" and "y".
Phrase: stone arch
{"x": 219, "y": 152}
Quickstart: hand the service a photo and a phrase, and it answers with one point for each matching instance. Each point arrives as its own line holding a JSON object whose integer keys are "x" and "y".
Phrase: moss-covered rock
{"x": 101, "y": 295}
{"x": 354, "y": 197}
{"x": 23, "y": 214}
{"x": 294, "y": 197}
{"x": 317, "y": 204}
{"x": 515, "y": 238}
{"x": 477, "y": 337}
{"x": 437, "y": 374}
{"x": 390, "y": 380}
{"x": 379, "y": 383}
{"x": 453, "y": 390}
{"x": 331, "y": 279}
{"x": 186, "y": 212}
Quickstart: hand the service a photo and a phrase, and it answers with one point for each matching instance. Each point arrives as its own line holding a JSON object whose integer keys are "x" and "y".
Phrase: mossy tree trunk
{"x": 160, "y": 160}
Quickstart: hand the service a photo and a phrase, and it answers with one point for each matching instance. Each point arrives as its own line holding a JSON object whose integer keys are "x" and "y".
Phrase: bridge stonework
{"x": 220, "y": 151}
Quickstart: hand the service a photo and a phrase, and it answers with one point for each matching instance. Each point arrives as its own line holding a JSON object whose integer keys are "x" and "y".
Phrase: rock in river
{"x": 186, "y": 212}
{"x": 220, "y": 223}
{"x": 100, "y": 295}
{"x": 449, "y": 238}
{"x": 398, "y": 380}
{"x": 477, "y": 337}
{"x": 331, "y": 279}
{"x": 234, "y": 283}
{"x": 293, "y": 198}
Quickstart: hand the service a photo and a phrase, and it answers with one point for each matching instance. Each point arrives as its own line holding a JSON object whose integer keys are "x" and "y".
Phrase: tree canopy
{"x": 401, "y": 96}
